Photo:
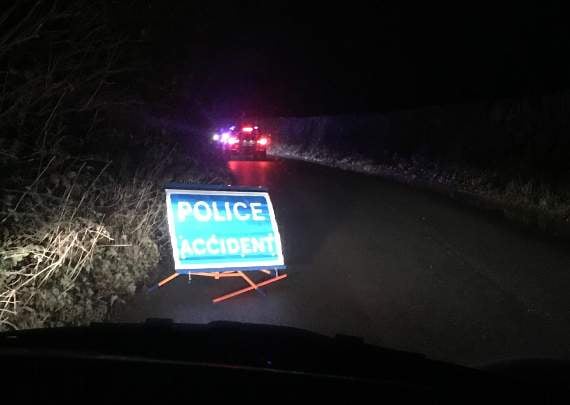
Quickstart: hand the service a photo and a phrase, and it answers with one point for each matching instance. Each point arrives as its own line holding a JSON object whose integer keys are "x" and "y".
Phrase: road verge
{"x": 526, "y": 203}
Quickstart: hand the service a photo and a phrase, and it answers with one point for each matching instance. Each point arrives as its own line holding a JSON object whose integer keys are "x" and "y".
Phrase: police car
{"x": 242, "y": 141}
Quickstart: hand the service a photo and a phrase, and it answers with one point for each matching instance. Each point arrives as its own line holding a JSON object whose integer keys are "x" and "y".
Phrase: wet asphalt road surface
{"x": 402, "y": 268}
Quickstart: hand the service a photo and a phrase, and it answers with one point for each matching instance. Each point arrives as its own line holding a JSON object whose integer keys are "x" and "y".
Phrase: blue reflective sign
{"x": 213, "y": 230}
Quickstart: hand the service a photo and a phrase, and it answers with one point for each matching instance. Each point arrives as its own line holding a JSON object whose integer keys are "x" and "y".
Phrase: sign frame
{"x": 277, "y": 263}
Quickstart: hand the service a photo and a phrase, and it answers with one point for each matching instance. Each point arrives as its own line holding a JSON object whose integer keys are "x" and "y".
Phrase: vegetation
{"x": 82, "y": 211}
{"x": 511, "y": 155}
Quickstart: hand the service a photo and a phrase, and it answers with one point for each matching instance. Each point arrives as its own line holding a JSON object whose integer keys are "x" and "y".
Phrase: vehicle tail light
{"x": 263, "y": 141}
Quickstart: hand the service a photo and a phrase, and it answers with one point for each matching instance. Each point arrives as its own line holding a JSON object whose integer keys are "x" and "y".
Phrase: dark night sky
{"x": 275, "y": 58}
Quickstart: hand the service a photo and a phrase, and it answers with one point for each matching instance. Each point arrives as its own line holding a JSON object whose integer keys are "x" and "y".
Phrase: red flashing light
{"x": 262, "y": 141}
{"x": 247, "y": 129}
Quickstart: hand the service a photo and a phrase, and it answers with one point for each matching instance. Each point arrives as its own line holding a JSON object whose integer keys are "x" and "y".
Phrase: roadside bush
{"x": 530, "y": 201}
{"x": 82, "y": 208}
{"x": 513, "y": 152}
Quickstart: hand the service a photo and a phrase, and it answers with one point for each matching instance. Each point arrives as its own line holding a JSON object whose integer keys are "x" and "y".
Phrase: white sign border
{"x": 279, "y": 261}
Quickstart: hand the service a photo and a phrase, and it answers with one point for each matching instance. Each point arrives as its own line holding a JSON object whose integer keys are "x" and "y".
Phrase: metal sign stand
{"x": 224, "y": 274}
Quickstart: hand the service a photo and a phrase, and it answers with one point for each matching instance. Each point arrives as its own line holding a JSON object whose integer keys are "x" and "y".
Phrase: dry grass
{"x": 60, "y": 227}
{"x": 78, "y": 240}
{"x": 60, "y": 252}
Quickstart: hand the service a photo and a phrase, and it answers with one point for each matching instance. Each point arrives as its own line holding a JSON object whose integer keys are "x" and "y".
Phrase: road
{"x": 400, "y": 267}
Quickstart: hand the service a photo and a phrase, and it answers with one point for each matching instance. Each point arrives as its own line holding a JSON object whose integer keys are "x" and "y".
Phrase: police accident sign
{"x": 211, "y": 230}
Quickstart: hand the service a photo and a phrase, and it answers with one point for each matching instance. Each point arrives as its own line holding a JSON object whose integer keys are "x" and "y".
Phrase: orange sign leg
{"x": 218, "y": 275}
{"x": 168, "y": 279}
{"x": 251, "y": 287}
